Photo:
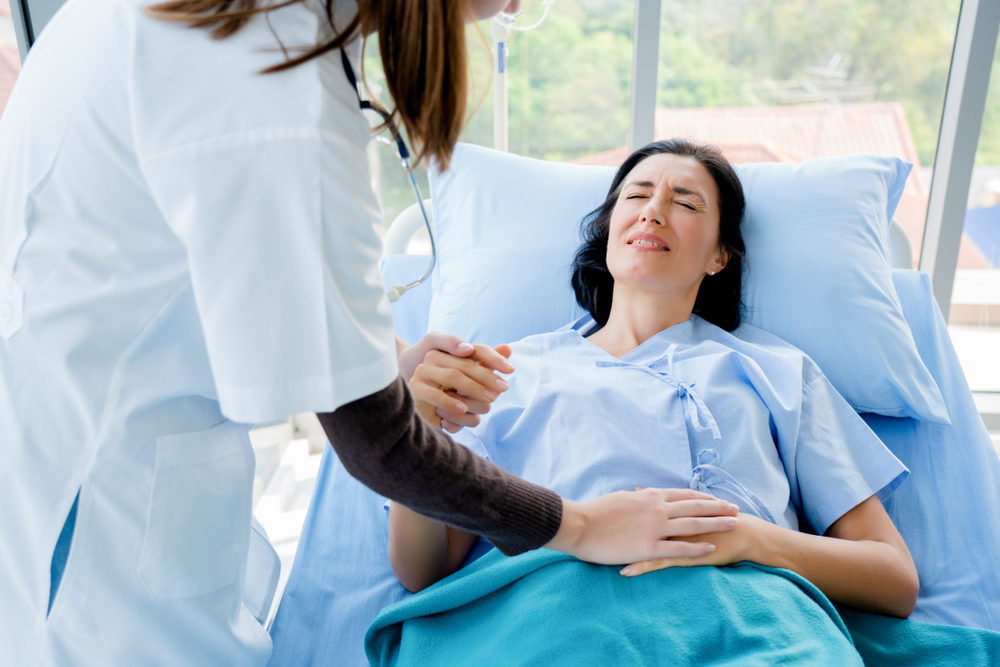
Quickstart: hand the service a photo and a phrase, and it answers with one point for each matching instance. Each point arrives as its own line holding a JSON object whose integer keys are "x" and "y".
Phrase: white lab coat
{"x": 186, "y": 248}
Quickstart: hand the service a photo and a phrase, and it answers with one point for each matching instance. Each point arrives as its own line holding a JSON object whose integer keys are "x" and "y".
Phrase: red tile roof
{"x": 801, "y": 131}
{"x": 10, "y": 66}
{"x": 735, "y": 153}
{"x": 788, "y": 133}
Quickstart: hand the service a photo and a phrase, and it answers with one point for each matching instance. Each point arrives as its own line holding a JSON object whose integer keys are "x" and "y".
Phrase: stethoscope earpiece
{"x": 395, "y": 293}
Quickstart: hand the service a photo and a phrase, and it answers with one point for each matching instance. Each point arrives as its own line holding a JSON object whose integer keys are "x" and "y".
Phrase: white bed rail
{"x": 402, "y": 229}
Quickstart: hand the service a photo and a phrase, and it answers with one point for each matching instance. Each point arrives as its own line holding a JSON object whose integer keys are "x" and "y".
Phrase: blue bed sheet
{"x": 341, "y": 576}
{"x": 948, "y": 512}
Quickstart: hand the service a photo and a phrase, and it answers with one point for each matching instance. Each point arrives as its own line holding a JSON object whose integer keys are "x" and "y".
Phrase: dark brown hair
{"x": 718, "y": 299}
{"x": 421, "y": 44}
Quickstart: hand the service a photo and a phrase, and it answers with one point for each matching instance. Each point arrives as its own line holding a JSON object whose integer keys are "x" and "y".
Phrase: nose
{"x": 652, "y": 213}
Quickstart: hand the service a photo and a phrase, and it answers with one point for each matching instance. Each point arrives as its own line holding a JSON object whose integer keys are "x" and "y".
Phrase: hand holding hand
{"x": 625, "y": 527}
{"x": 409, "y": 356}
{"x": 452, "y": 390}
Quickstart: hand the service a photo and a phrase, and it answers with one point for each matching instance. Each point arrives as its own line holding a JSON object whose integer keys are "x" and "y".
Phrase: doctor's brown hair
{"x": 421, "y": 44}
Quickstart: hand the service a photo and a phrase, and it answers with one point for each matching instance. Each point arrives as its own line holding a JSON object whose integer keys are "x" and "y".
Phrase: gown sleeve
{"x": 838, "y": 460}
{"x": 383, "y": 442}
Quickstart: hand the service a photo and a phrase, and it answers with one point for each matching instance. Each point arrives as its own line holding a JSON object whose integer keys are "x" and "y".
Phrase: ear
{"x": 720, "y": 261}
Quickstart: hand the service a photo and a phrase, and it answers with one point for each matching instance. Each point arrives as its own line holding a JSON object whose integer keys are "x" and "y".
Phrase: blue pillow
{"x": 507, "y": 228}
{"x": 818, "y": 273}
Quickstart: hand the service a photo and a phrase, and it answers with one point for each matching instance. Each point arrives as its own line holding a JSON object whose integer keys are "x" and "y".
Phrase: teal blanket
{"x": 547, "y": 608}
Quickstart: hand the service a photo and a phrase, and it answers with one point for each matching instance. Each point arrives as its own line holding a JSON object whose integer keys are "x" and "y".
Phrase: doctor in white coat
{"x": 187, "y": 247}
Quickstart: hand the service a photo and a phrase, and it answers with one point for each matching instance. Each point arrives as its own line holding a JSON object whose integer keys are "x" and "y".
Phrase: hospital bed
{"x": 948, "y": 510}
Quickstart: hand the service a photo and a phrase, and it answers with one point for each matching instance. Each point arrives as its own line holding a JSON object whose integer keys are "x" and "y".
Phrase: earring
{"x": 711, "y": 273}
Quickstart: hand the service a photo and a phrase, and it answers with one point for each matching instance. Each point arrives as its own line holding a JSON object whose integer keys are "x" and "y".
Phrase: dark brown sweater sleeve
{"x": 383, "y": 442}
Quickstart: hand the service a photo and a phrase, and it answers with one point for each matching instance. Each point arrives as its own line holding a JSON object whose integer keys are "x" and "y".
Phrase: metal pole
{"x": 961, "y": 120}
{"x": 645, "y": 58}
{"x": 500, "y": 33}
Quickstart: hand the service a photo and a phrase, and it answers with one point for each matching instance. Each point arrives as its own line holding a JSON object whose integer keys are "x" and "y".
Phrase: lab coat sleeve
{"x": 383, "y": 442}
{"x": 278, "y": 226}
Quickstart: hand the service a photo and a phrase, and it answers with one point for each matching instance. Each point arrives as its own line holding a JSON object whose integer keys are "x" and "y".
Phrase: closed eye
{"x": 635, "y": 195}
{"x": 687, "y": 206}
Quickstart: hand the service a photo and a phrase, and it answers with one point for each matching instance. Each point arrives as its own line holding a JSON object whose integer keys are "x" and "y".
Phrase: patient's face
{"x": 664, "y": 234}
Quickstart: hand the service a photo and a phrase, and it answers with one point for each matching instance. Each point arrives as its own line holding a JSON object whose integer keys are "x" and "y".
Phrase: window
{"x": 788, "y": 80}
{"x": 568, "y": 88}
{"x": 974, "y": 319}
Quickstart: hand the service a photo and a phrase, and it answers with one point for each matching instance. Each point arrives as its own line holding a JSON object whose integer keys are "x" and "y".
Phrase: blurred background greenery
{"x": 569, "y": 78}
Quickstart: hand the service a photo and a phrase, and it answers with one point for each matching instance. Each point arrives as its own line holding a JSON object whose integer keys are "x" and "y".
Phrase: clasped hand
{"x": 453, "y": 382}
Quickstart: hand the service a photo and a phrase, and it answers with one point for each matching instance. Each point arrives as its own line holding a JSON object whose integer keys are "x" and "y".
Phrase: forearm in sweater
{"x": 383, "y": 442}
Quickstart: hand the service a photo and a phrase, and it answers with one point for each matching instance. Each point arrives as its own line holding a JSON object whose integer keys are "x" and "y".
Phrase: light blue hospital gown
{"x": 742, "y": 415}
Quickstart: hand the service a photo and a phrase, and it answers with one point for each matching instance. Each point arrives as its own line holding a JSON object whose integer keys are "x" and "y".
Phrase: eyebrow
{"x": 678, "y": 189}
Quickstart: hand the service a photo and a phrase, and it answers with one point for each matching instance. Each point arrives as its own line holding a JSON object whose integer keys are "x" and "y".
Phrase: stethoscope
{"x": 404, "y": 157}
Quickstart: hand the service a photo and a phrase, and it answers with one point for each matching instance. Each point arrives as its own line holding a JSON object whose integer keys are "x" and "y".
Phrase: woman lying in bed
{"x": 662, "y": 387}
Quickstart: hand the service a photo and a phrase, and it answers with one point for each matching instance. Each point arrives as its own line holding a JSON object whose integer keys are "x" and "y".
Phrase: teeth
{"x": 651, "y": 244}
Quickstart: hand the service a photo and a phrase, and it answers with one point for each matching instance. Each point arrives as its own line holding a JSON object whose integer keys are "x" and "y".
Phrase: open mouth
{"x": 647, "y": 243}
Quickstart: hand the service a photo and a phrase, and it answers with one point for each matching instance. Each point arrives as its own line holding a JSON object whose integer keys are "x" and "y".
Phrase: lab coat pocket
{"x": 197, "y": 524}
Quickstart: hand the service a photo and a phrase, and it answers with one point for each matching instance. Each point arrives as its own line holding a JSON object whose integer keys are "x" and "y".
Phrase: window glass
{"x": 567, "y": 82}
{"x": 789, "y": 80}
{"x": 10, "y": 59}
{"x": 974, "y": 320}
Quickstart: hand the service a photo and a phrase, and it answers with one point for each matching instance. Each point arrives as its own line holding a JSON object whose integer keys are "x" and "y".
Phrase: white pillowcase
{"x": 818, "y": 274}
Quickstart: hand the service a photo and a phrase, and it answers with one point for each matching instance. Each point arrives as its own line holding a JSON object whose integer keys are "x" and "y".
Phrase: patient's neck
{"x": 638, "y": 316}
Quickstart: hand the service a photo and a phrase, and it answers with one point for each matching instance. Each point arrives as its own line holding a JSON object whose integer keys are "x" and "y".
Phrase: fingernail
{"x": 489, "y": 394}
{"x": 462, "y": 407}
{"x": 735, "y": 508}
{"x": 732, "y": 522}
{"x": 500, "y": 384}
{"x": 709, "y": 548}
{"x": 465, "y": 347}
{"x": 626, "y": 571}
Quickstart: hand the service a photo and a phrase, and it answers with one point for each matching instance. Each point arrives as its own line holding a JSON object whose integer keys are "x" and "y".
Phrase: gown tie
{"x": 695, "y": 409}
{"x": 709, "y": 477}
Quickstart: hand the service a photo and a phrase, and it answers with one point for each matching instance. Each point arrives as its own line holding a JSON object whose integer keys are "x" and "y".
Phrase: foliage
{"x": 568, "y": 87}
